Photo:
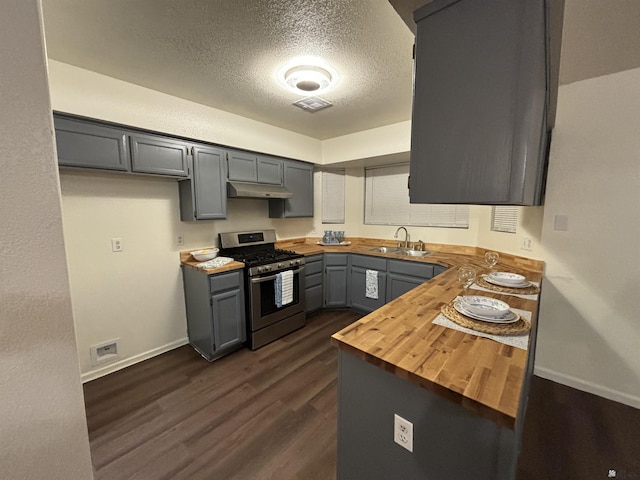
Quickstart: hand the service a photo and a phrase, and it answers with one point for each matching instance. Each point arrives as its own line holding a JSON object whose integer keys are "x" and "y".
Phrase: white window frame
{"x": 387, "y": 202}
{"x": 333, "y": 194}
{"x": 504, "y": 218}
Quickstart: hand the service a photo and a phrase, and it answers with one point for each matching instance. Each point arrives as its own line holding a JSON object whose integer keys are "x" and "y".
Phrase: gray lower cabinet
{"x": 368, "y": 399}
{"x": 482, "y": 102}
{"x": 314, "y": 289}
{"x": 216, "y": 322}
{"x": 159, "y": 155}
{"x": 204, "y": 196}
{"x": 360, "y": 264}
{"x": 406, "y": 275}
{"x": 85, "y": 144}
{"x": 336, "y": 292}
{"x": 298, "y": 179}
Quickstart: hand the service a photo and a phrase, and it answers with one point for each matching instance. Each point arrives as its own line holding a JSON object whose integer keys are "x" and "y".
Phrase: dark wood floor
{"x": 272, "y": 414}
{"x": 268, "y": 414}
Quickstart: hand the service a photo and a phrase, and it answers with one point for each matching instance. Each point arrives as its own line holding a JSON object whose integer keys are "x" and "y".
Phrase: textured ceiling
{"x": 599, "y": 36}
{"x": 225, "y": 53}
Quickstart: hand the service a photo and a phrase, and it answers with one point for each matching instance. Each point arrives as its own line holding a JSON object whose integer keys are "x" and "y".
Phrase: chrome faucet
{"x": 406, "y": 237}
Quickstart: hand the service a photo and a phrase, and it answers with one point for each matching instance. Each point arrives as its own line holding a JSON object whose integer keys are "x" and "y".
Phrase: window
{"x": 333, "y": 196}
{"x": 387, "y": 202}
{"x": 504, "y": 218}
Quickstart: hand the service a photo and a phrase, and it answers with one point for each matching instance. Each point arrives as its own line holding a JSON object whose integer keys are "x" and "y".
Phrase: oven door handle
{"x": 272, "y": 277}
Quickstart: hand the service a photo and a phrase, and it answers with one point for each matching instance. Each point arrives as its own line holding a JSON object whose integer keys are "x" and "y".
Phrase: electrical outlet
{"x": 105, "y": 352}
{"x": 526, "y": 244}
{"x": 403, "y": 432}
{"x": 116, "y": 245}
{"x": 180, "y": 240}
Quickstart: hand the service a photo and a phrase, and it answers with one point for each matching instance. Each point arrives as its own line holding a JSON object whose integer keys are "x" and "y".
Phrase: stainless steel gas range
{"x": 275, "y": 300}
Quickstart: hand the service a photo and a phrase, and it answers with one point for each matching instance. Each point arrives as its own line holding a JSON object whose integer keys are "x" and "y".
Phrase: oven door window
{"x": 268, "y": 296}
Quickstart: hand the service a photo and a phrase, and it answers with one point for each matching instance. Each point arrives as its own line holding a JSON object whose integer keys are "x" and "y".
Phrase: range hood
{"x": 256, "y": 190}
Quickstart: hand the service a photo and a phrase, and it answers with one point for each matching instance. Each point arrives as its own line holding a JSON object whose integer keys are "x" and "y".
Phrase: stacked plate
{"x": 485, "y": 309}
{"x": 506, "y": 279}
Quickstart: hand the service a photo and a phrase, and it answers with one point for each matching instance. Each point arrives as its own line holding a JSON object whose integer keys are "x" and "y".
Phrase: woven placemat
{"x": 530, "y": 290}
{"x": 520, "y": 327}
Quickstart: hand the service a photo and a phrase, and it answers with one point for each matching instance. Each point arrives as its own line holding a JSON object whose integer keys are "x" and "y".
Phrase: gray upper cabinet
{"x": 86, "y": 144}
{"x": 270, "y": 170}
{"x": 204, "y": 197}
{"x": 252, "y": 168}
{"x": 243, "y": 167}
{"x": 159, "y": 155}
{"x": 298, "y": 179}
{"x": 480, "y": 126}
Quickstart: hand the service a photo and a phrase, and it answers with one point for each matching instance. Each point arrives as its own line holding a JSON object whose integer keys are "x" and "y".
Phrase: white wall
{"x": 589, "y": 323}
{"x": 43, "y": 427}
{"x": 136, "y": 295}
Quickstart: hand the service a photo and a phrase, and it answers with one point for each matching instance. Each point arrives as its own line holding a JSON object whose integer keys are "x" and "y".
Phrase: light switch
{"x": 561, "y": 223}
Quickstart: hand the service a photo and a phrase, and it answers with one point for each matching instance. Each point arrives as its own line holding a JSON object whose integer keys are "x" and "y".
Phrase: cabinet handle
{"x": 272, "y": 277}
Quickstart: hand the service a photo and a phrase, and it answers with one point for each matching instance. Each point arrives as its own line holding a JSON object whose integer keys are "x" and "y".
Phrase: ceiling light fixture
{"x": 307, "y": 78}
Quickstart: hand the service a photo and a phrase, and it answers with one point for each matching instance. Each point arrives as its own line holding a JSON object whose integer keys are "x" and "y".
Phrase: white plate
{"x": 485, "y": 306}
{"x": 333, "y": 244}
{"x": 502, "y": 284}
{"x": 507, "y": 277}
{"x": 510, "y": 317}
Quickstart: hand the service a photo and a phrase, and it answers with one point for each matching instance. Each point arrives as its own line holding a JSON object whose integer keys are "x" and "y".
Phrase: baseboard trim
{"x": 127, "y": 362}
{"x": 589, "y": 387}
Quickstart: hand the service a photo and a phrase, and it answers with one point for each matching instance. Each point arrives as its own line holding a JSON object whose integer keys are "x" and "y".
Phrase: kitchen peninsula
{"x": 464, "y": 394}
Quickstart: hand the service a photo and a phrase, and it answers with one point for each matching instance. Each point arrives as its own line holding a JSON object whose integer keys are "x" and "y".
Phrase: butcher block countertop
{"x": 479, "y": 373}
{"x": 188, "y": 260}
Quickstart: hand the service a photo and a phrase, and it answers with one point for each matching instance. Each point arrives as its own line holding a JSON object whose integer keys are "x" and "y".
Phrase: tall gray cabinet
{"x": 298, "y": 179}
{"x": 483, "y": 93}
{"x": 203, "y": 196}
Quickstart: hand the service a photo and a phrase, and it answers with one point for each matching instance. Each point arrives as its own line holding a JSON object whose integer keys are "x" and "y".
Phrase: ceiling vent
{"x": 312, "y": 104}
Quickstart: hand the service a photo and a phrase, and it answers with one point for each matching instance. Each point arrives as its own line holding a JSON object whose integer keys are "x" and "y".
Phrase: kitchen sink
{"x": 384, "y": 249}
{"x": 412, "y": 253}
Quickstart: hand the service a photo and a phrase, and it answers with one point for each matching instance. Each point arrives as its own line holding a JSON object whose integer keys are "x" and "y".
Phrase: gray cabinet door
{"x": 209, "y": 183}
{"x": 398, "y": 285}
{"x": 228, "y": 319}
{"x": 204, "y": 197}
{"x": 335, "y": 286}
{"x": 479, "y": 131}
{"x": 359, "y": 299}
{"x": 243, "y": 167}
{"x": 89, "y": 145}
{"x": 313, "y": 280}
{"x": 298, "y": 179}
{"x": 269, "y": 170}
{"x": 159, "y": 155}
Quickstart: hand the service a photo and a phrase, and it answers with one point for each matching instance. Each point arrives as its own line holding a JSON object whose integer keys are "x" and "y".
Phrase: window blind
{"x": 387, "y": 202}
{"x": 504, "y": 218}
{"x": 333, "y": 196}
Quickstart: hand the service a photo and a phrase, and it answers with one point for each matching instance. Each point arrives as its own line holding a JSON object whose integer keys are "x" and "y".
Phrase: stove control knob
{"x": 267, "y": 268}
{"x": 298, "y": 262}
{"x": 292, "y": 263}
{"x": 260, "y": 269}
{"x": 281, "y": 265}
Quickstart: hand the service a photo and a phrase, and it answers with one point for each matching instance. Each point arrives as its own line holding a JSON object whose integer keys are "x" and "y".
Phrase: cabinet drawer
{"x": 311, "y": 268}
{"x": 414, "y": 269}
{"x": 225, "y": 281}
{"x": 313, "y": 280}
{"x": 335, "y": 259}
{"x": 372, "y": 263}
